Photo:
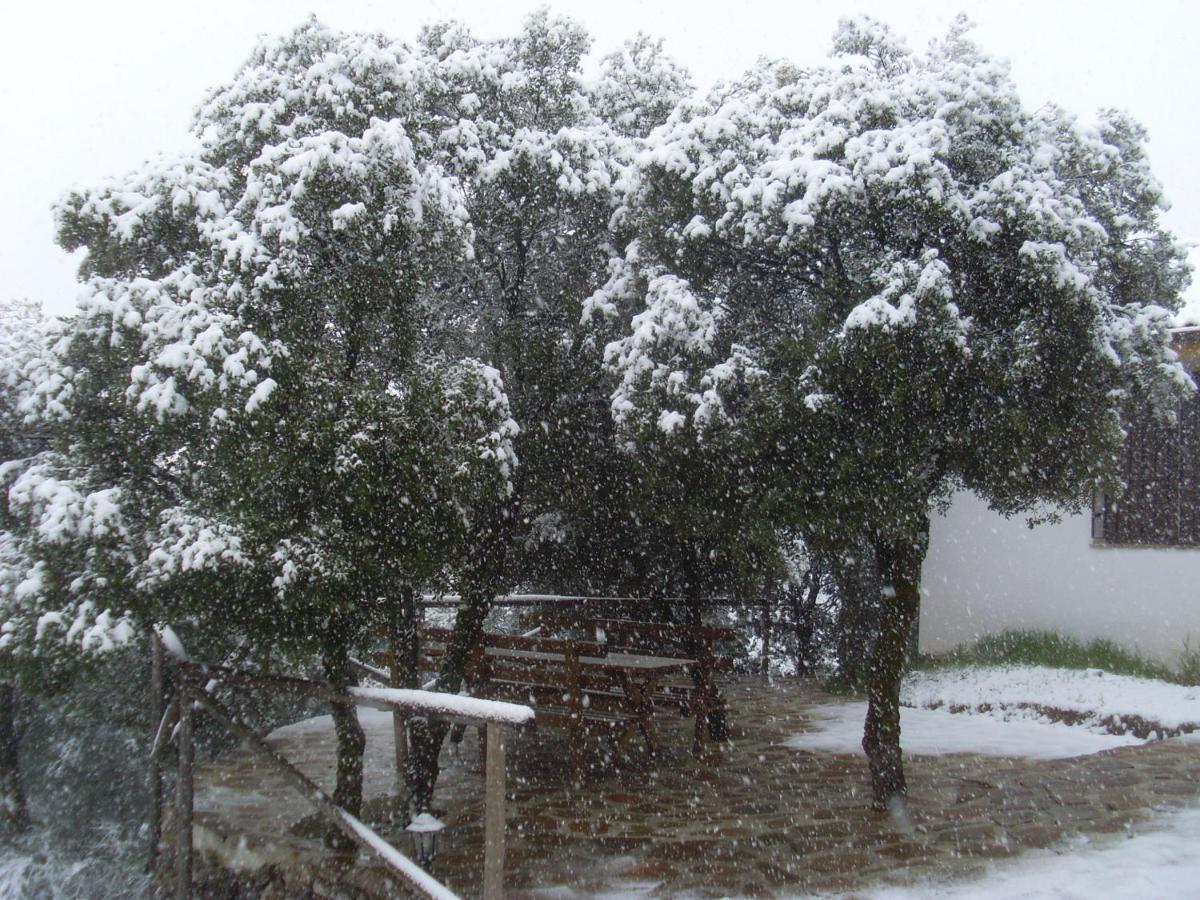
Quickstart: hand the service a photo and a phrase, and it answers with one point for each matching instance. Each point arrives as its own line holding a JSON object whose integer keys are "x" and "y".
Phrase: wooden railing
{"x": 195, "y": 682}
{"x": 431, "y": 601}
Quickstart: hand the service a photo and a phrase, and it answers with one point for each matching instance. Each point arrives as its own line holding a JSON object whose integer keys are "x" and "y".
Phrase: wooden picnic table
{"x": 635, "y": 676}
{"x": 619, "y": 687}
{"x": 701, "y": 697}
{"x": 609, "y": 685}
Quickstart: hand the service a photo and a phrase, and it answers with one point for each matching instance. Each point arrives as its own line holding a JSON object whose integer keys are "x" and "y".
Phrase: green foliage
{"x": 247, "y": 426}
{"x": 1048, "y": 648}
{"x": 1189, "y": 663}
{"x": 930, "y": 289}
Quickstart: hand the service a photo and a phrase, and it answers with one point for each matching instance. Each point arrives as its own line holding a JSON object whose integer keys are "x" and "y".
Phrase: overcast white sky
{"x": 89, "y": 89}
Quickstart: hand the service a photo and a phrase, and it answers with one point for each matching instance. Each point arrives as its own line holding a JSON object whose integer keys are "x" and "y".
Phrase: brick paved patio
{"x": 753, "y": 818}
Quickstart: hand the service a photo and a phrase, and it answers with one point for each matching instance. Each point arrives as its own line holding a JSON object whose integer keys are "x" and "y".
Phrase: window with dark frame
{"x": 1161, "y": 470}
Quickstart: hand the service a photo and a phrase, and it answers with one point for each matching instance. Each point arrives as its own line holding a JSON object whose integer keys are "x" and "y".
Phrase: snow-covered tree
{"x": 681, "y": 395}
{"x": 21, "y": 330}
{"x": 539, "y": 150}
{"x": 41, "y": 513}
{"x": 252, "y": 432}
{"x": 897, "y": 281}
{"x": 639, "y": 86}
{"x": 264, "y": 372}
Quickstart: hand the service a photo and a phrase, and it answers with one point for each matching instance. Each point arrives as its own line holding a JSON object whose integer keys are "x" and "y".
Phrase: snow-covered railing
{"x": 196, "y": 685}
{"x": 436, "y": 705}
{"x": 431, "y": 601}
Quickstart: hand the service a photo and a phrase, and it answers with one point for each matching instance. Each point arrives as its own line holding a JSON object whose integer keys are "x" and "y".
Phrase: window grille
{"x": 1161, "y": 471}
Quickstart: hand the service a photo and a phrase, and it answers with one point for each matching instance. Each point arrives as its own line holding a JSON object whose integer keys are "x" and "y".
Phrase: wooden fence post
{"x": 183, "y": 797}
{"x": 493, "y": 814}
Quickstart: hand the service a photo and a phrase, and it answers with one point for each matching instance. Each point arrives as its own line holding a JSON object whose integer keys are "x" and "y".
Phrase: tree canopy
{"x": 812, "y": 304}
{"x": 891, "y": 281}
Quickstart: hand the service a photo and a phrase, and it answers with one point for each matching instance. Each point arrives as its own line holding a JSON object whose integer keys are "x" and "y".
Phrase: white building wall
{"x": 986, "y": 574}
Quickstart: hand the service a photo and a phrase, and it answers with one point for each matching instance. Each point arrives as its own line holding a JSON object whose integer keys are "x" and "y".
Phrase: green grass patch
{"x": 1046, "y": 648}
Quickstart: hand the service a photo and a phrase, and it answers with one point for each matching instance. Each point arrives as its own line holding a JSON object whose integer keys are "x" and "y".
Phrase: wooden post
{"x": 14, "y": 813}
{"x": 183, "y": 798}
{"x": 575, "y": 712}
{"x": 156, "y": 715}
{"x": 493, "y": 815}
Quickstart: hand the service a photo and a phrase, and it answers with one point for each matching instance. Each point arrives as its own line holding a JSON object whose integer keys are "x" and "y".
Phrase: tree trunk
{"x": 405, "y": 637}
{"x": 804, "y": 610}
{"x": 348, "y": 789}
{"x": 900, "y": 560}
{"x": 425, "y": 737}
{"x": 856, "y": 574}
{"x": 764, "y": 627}
{"x": 404, "y": 673}
{"x": 491, "y": 538}
{"x": 157, "y": 707}
{"x": 717, "y": 721}
{"x": 14, "y": 814}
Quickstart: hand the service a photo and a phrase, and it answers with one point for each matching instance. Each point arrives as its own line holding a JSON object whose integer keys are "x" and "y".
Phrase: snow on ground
{"x": 1098, "y": 694}
{"x": 1002, "y": 711}
{"x": 1162, "y": 864}
{"x": 371, "y": 720}
{"x": 997, "y": 719}
{"x": 932, "y": 732}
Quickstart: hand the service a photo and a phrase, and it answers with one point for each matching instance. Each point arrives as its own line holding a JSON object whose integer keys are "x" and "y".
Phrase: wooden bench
{"x": 577, "y": 685}
{"x": 692, "y": 693}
